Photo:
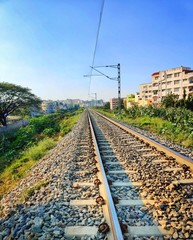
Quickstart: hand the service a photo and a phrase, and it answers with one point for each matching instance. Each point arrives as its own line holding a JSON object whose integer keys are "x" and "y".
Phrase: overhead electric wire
{"x": 96, "y": 43}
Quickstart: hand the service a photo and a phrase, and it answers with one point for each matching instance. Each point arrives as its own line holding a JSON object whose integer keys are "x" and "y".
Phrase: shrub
{"x": 49, "y": 132}
{"x": 24, "y": 137}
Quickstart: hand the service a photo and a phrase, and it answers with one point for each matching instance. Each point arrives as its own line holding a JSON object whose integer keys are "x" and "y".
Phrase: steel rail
{"x": 178, "y": 156}
{"x": 114, "y": 222}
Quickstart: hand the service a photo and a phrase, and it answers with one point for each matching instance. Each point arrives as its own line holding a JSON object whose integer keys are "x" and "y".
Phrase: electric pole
{"x": 95, "y": 94}
{"x": 119, "y": 88}
{"x": 118, "y": 79}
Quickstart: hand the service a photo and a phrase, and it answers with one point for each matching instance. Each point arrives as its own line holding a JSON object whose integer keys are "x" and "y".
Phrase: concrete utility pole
{"x": 95, "y": 94}
{"x": 119, "y": 87}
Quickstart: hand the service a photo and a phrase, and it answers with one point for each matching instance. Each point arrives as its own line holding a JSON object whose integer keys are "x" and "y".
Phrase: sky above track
{"x": 48, "y": 45}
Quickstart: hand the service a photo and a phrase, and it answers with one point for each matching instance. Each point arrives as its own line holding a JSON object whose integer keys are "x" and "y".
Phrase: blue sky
{"x": 48, "y": 45}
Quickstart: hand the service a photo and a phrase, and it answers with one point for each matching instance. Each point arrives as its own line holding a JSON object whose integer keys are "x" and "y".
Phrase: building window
{"x": 185, "y": 79}
{"x": 176, "y": 89}
{"x": 156, "y": 78}
{"x": 169, "y": 75}
{"x": 190, "y": 89}
{"x": 191, "y": 80}
{"x": 169, "y": 83}
{"x": 177, "y": 74}
{"x": 176, "y": 82}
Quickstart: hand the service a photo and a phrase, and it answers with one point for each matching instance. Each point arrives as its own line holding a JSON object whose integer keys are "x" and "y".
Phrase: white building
{"x": 173, "y": 80}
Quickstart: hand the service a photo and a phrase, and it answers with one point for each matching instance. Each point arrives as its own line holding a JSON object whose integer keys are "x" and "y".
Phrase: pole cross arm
{"x": 115, "y": 79}
{"x": 118, "y": 79}
{"x": 93, "y": 75}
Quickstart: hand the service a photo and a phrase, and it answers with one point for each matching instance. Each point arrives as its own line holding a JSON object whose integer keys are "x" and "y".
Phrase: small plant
{"x": 29, "y": 192}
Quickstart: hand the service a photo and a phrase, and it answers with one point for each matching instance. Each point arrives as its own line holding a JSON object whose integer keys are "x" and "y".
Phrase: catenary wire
{"x": 96, "y": 43}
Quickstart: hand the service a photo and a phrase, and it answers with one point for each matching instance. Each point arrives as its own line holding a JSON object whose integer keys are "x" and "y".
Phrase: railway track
{"x": 151, "y": 185}
{"x": 103, "y": 182}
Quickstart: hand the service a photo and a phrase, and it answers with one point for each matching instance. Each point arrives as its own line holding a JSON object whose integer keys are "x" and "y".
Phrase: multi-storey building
{"x": 129, "y": 101}
{"x": 174, "y": 80}
{"x": 114, "y": 103}
{"x": 145, "y": 94}
{"x": 48, "y": 106}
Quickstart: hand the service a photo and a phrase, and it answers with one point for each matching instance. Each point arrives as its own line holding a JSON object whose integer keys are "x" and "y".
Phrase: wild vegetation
{"x": 172, "y": 100}
{"x": 174, "y": 123}
{"x": 21, "y": 149}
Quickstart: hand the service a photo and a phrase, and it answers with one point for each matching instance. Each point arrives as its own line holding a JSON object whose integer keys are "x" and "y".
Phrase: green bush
{"x": 47, "y": 121}
{"x": 24, "y": 137}
{"x": 179, "y": 116}
{"x": 49, "y": 132}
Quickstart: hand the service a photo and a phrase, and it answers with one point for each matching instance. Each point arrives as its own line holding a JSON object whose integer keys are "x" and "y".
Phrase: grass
{"x": 20, "y": 167}
{"x": 67, "y": 124}
{"x": 157, "y": 125}
{"x": 29, "y": 192}
{"x": 11, "y": 175}
{"x": 38, "y": 151}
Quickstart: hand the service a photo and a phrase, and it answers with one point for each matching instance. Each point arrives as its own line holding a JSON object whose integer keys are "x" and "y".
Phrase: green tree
{"x": 170, "y": 100}
{"x": 14, "y": 97}
{"x": 189, "y": 102}
{"x": 107, "y": 105}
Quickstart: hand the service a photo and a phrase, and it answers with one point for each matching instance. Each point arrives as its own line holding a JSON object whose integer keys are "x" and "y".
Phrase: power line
{"x": 96, "y": 43}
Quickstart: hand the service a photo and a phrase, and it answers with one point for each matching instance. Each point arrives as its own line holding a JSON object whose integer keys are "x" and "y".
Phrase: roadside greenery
{"x": 172, "y": 123}
{"x": 172, "y": 100}
{"x": 21, "y": 149}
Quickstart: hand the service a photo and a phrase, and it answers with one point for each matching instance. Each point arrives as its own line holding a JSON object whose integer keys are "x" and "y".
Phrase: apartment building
{"x": 129, "y": 101}
{"x": 173, "y": 80}
{"x": 145, "y": 94}
{"x": 114, "y": 103}
{"x": 48, "y": 106}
